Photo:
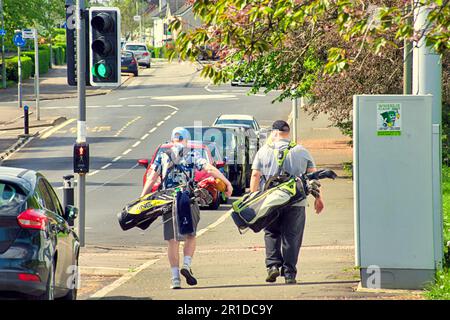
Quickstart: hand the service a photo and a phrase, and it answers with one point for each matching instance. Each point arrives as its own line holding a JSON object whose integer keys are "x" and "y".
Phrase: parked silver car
{"x": 141, "y": 53}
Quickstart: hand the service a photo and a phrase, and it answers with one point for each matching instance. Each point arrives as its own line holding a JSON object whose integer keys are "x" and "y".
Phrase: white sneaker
{"x": 176, "y": 283}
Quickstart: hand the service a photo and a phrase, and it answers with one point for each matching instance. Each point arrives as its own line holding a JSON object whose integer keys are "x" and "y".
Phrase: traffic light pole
{"x": 3, "y": 47}
{"x": 81, "y": 125}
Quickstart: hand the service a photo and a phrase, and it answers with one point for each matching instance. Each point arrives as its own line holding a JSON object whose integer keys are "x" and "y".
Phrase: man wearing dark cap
{"x": 283, "y": 238}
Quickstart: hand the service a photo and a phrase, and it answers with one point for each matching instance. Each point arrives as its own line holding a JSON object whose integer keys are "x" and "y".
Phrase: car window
{"x": 55, "y": 200}
{"x": 45, "y": 198}
{"x": 134, "y": 47}
{"x": 127, "y": 55}
{"x": 11, "y": 198}
{"x": 234, "y": 121}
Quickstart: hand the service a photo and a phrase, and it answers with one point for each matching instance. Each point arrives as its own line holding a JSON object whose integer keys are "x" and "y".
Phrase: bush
{"x": 64, "y": 50}
{"x": 58, "y": 55}
{"x": 12, "y": 70}
{"x": 156, "y": 53}
{"x": 44, "y": 58}
{"x": 47, "y": 49}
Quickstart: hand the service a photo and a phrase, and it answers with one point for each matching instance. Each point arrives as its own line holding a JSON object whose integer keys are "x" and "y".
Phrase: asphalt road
{"x": 127, "y": 125}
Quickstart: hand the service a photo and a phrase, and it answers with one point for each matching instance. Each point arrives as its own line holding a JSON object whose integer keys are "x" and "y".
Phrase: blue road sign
{"x": 18, "y": 40}
{"x": 2, "y": 32}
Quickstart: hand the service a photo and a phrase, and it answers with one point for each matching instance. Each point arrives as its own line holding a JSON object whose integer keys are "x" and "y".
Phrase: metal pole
{"x": 427, "y": 79}
{"x": 19, "y": 83}
{"x": 3, "y": 47}
{"x": 81, "y": 125}
{"x": 26, "y": 122}
{"x": 36, "y": 74}
{"x": 294, "y": 118}
{"x": 407, "y": 62}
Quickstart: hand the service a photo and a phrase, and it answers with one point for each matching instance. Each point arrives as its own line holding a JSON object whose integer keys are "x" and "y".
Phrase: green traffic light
{"x": 101, "y": 70}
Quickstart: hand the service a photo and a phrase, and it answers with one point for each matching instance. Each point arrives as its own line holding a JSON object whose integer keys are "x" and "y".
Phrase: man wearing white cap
{"x": 174, "y": 171}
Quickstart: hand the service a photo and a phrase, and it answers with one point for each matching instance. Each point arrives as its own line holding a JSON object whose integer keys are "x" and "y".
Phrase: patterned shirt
{"x": 177, "y": 166}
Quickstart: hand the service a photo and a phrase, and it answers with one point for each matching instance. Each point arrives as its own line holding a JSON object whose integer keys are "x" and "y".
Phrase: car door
{"x": 60, "y": 232}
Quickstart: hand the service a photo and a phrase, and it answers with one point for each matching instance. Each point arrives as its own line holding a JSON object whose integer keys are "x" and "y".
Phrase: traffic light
{"x": 104, "y": 39}
{"x": 81, "y": 158}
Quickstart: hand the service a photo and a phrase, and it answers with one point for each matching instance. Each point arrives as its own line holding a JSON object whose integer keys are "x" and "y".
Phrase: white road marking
{"x": 114, "y": 106}
{"x": 153, "y": 130}
{"x": 164, "y": 105}
{"x": 168, "y": 117}
{"x": 126, "y": 277}
{"x": 126, "y": 152}
{"x": 136, "y": 144}
{"x": 195, "y": 97}
{"x": 160, "y": 123}
{"x": 136, "y": 105}
{"x": 116, "y": 159}
{"x": 106, "y": 166}
{"x": 93, "y": 172}
{"x": 55, "y": 129}
{"x": 145, "y": 136}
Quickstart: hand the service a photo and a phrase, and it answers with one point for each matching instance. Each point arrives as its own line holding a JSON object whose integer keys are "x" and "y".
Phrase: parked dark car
{"x": 129, "y": 63}
{"x": 38, "y": 248}
{"x": 232, "y": 145}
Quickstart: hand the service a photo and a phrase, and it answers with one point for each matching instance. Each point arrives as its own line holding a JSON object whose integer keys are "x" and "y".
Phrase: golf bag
{"x": 144, "y": 211}
{"x": 258, "y": 210}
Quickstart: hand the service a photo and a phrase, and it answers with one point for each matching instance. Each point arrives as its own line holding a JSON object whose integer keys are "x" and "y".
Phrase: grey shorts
{"x": 169, "y": 224}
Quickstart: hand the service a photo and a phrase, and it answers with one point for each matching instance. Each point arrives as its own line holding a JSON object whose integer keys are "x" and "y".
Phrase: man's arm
{"x": 150, "y": 183}
{"x": 255, "y": 180}
{"x": 318, "y": 202}
{"x": 213, "y": 171}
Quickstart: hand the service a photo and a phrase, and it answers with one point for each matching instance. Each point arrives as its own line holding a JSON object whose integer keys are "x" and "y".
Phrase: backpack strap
{"x": 280, "y": 155}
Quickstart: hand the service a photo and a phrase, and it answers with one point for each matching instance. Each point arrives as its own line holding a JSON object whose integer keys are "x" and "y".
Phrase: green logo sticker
{"x": 389, "y": 121}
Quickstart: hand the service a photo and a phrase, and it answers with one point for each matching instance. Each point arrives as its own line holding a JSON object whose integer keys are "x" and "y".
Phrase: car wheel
{"x": 72, "y": 293}
{"x": 148, "y": 65}
{"x": 49, "y": 293}
{"x": 216, "y": 203}
{"x": 136, "y": 74}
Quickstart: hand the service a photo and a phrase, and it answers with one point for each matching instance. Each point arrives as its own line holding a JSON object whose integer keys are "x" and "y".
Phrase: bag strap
{"x": 281, "y": 155}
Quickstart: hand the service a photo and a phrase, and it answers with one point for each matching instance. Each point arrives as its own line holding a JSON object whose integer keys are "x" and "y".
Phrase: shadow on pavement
{"x": 276, "y": 284}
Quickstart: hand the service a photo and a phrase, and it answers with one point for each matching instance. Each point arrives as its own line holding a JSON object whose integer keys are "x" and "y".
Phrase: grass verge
{"x": 441, "y": 289}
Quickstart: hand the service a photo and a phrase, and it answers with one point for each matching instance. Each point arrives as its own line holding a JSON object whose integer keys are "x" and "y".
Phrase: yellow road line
{"x": 59, "y": 127}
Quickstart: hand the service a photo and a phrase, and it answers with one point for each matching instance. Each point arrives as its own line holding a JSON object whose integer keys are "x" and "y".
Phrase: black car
{"x": 232, "y": 145}
{"x": 129, "y": 63}
{"x": 38, "y": 248}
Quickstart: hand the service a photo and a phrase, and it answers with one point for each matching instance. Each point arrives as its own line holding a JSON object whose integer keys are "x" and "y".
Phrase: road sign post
{"x": 32, "y": 34}
{"x": 2, "y": 35}
{"x": 19, "y": 42}
{"x": 81, "y": 125}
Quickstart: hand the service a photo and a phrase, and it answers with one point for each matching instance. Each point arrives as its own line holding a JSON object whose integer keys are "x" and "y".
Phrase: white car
{"x": 237, "y": 120}
{"x": 141, "y": 53}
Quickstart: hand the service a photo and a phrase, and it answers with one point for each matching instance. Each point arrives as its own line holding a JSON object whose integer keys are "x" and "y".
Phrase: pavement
{"x": 127, "y": 124}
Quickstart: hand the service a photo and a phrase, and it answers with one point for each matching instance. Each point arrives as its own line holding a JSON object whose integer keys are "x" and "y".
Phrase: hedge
{"x": 12, "y": 71}
{"x": 44, "y": 59}
{"x": 58, "y": 54}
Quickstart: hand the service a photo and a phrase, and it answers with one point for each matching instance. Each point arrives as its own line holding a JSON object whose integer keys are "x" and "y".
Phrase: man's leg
{"x": 274, "y": 259}
{"x": 173, "y": 254}
{"x": 292, "y": 227}
{"x": 189, "y": 249}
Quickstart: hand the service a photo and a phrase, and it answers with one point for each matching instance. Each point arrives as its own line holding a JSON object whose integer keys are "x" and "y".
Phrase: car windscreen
{"x": 127, "y": 55}
{"x": 234, "y": 121}
{"x": 12, "y": 198}
{"x": 134, "y": 47}
{"x": 222, "y": 137}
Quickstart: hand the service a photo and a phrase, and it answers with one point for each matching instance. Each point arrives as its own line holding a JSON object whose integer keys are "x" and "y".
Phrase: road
{"x": 126, "y": 125}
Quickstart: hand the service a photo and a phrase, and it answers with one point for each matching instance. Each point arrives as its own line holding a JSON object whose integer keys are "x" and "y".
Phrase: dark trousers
{"x": 283, "y": 239}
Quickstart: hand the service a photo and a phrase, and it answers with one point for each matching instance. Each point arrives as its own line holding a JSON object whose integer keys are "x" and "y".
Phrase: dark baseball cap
{"x": 281, "y": 125}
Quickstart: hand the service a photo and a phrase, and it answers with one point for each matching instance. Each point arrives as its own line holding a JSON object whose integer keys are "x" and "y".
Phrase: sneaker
{"x": 176, "y": 283}
{"x": 187, "y": 273}
{"x": 290, "y": 279}
{"x": 272, "y": 274}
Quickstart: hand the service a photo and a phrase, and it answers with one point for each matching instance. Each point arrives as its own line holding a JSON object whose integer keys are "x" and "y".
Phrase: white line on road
{"x": 153, "y": 130}
{"x": 136, "y": 105}
{"x": 145, "y": 136}
{"x": 174, "y": 113}
{"x": 160, "y": 123}
{"x": 93, "y": 172}
{"x": 114, "y": 106}
{"x": 116, "y": 159}
{"x": 168, "y": 117}
{"x": 126, "y": 152}
{"x": 136, "y": 144}
{"x": 164, "y": 105}
{"x": 106, "y": 166}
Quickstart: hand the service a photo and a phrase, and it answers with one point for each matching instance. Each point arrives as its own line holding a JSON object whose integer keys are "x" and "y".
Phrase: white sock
{"x": 187, "y": 261}
{"x": 175, "y": 272}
